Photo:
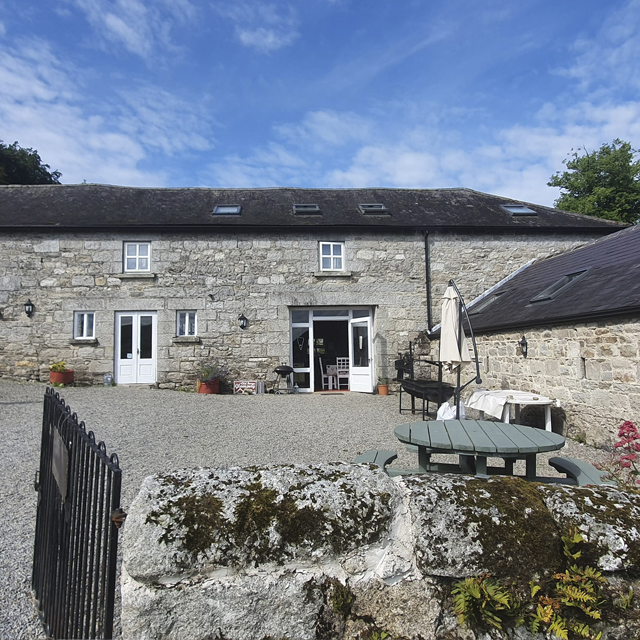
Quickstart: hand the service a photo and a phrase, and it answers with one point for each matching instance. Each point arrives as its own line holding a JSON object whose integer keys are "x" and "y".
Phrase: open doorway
{"x": 331, "y": 341}
{"x": 339, "y": 337}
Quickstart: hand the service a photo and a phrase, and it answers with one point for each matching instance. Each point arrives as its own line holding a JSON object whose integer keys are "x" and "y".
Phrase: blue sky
{"x": 489, "y": 95}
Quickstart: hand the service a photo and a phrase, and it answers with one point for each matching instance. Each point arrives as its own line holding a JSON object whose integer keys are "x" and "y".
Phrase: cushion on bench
{"x": 584, "y": 473}
{"x": 379, "y": 457}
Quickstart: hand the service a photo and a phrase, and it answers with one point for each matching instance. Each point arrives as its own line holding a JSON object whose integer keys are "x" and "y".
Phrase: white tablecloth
{"x": 492, "y": 402}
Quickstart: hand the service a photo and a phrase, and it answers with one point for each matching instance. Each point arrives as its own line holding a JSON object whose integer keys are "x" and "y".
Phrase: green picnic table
{"x": 473, "y": 441}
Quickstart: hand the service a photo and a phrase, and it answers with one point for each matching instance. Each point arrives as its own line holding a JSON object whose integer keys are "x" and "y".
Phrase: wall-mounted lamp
{"x": 242, "y": 321}
{"x": 524, "y": 347}
{"x": 29, "y": 308}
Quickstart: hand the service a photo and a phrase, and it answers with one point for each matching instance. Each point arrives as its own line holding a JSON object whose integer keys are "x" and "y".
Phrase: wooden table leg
{"x": 547, "y": 417}
{"x": 531, "y": 466}
{"x": 468, "y": 464}
{"x": 481, "y": 467}
{"x": 424, "y": 459}
{"x": 508, "y": 466}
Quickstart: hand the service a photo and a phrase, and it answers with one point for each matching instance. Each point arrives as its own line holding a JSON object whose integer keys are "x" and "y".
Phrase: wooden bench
{"x": 582, "y": 472}
{"x": 380, "y": 458}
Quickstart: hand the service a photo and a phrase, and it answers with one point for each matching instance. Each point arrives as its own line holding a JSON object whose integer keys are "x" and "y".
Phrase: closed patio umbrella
{"x": 453, "y": 351}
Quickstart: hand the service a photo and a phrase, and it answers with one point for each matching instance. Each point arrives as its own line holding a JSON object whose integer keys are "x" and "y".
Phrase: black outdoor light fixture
{"x": 29, "y": 308}
{"x": 524, "y": 346}
{"x": 242, "y": 321}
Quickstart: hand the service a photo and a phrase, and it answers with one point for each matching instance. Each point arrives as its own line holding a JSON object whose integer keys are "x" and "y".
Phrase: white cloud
{"x": 262, "y": 26}
{"x": 612, "y": 57}
{"x": 142, "y": 28}
{"x": 43, "y": 107}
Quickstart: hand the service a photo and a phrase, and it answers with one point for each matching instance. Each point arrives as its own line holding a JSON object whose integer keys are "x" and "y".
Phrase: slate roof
{"x": 105, "y": 206}
{"x": 608, "y": 285}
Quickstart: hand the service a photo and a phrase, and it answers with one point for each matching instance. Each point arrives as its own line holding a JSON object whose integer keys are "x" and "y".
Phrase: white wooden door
{"x": 136, "y": 337}
{"x": 361, "y": 350}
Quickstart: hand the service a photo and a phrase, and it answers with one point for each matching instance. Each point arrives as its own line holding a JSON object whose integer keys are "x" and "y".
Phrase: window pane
{"x": 192, "y": 324}
{"x": 131, "y": 249}
{"x": 181, "y": 323}
{"x": 143, "y": 249}
{"x": 300, "y": 344}
{"x": 126, "y": 337}
{"x": 337, "y": 264}
{"x": 131, "y": 264}
{"x": 143, "y": 263}
{"x": 326, "y": 263}
{"x": 300, "y": 316}
{"x": 146, "y": 337}
{"x": 326, "y": 249}
{"x": 360, "y": 313}
{"x": 89, "y": 320}
{"x": 79, "y": 332}
{"x": 337, "y": 249}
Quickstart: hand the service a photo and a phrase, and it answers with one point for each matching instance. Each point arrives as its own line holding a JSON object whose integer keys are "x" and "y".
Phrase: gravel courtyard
{"x": 157, "y": 431}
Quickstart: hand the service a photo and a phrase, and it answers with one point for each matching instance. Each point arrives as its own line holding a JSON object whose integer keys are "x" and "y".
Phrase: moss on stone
{"x": 509, "y": 519}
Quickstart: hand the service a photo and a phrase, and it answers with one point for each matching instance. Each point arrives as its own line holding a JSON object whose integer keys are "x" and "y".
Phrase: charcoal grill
{"x": 285, "y": 373}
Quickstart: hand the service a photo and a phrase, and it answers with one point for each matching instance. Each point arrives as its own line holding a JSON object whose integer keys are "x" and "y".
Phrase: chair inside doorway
{"x": 331, "y": 348}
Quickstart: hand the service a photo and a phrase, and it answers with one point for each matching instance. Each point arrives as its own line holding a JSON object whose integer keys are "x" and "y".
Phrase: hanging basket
{"x": 211, "y": 386}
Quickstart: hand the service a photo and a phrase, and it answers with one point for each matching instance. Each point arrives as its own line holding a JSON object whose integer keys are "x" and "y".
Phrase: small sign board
{"x": 245, "y": 386}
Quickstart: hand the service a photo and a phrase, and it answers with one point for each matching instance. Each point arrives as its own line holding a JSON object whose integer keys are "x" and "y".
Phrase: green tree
{"x": 603, "y": 184}
{"x": 24, "y": 166}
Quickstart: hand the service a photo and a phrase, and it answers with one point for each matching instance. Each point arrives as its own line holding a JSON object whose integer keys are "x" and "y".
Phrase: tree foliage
{"x": 24, "y": 166}
{"x": 603, "y": 184}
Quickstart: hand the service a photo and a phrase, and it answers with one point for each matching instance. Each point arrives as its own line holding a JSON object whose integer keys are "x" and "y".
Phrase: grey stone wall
{"x": 223, "y": 275}
{"x": 593, "y": 369}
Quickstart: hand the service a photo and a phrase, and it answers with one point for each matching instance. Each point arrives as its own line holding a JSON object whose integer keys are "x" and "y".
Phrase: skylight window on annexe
{"x": 518, "y": 210}
{"x": 486, "y": 302}
{"x": 374, "y": 209}
{"x": 307, "y": 210}
{"x": 560, "y": 286}
{"x": 227, "y": 210}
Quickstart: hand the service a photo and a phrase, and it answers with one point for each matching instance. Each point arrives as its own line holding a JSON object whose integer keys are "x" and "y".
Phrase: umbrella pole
{"x": 459, "y": 351}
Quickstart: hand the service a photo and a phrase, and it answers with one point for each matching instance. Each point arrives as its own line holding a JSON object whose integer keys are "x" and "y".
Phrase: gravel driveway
{"x": 156, "y": 431}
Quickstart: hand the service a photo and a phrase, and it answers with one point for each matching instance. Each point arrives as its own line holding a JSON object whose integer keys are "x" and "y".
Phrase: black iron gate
{"x": 74, "y": 560}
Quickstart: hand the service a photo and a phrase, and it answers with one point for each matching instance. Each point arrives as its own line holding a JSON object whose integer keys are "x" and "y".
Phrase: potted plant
{"x": 59, "y": 374}
{"x": 383, "y": 386}
{"x": 210, "y": 376}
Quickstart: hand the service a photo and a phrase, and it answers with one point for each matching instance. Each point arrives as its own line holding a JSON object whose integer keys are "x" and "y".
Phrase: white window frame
{"x": 83, "y": 334}
{"x": 186, "y": 313}
{"x": 332, "y": 256}
{"x": 136, "y": 257}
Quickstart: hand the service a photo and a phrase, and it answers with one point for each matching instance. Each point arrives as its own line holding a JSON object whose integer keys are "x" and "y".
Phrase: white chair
{"x": 327, "y": 379}
{"x": 342, "y": 364}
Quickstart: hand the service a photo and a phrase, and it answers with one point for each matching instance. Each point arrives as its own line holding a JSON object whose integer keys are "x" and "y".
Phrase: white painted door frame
{"x": 136, "y": 339}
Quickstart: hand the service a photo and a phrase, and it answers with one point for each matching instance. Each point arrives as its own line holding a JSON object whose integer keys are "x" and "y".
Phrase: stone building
{"x": 150, "y": 284}
{"x": 569, "y": 328}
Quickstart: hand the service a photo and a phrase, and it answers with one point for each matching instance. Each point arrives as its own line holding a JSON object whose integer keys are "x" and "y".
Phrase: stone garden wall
{"x": 592, "y": 369}
{"x": 345, "y": 552}
{"x": 223, "y": 275}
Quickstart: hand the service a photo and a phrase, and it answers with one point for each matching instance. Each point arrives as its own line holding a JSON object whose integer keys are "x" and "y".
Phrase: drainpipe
{"x": 427, "y": 268}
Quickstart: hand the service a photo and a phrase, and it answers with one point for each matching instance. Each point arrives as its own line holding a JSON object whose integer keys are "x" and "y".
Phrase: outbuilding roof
{"x": 600, "y": 280}
{"x": 106, "y": 206}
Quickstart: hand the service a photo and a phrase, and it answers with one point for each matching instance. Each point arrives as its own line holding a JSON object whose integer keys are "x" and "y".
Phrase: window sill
{"x": 332, "y": 274}
{"x": 84, "y": 342}
{"x": 186, "y": 340}
{"x": 131, "y": 275}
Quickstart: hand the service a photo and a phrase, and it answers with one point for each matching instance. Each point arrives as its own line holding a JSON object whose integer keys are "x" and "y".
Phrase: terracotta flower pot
{"x": 61, "y": 377}
{"x": 383, "y": 389}
{"x": 211, "y": 386}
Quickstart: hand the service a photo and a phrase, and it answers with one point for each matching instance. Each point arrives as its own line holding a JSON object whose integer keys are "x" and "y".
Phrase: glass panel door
{"x": 361, "y": 373}
{"x": 136, "y": 335}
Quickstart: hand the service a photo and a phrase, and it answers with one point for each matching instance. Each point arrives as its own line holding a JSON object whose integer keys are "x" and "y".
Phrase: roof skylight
{"x": 559, "y": 287}
{"x": 518, "y": 210}
{"x": 373, "y": 208}
{"x": 483, "y": 304}
{"x": 227, "y": 210}
{"x": 307, "y": 210}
